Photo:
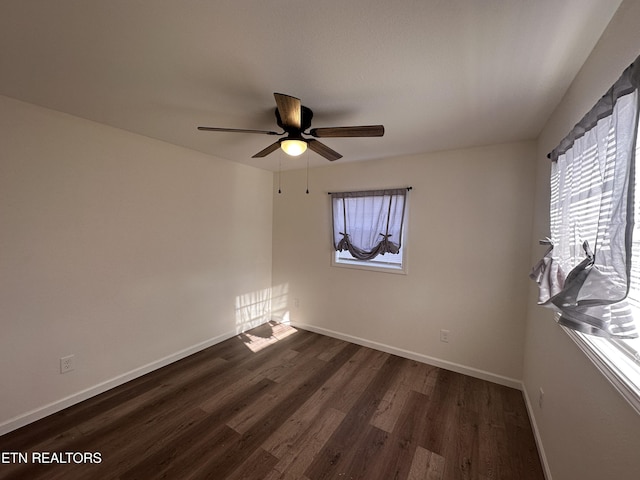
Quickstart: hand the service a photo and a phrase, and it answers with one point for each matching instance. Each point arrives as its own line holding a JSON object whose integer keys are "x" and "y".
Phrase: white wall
{"x": 124, "y": 251}
{"x": 468, "y": 234}
{"x": 587, "y": 430}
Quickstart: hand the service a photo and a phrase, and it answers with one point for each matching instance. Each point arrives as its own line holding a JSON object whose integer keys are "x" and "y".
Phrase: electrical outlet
{"x": 444, "y": 336}
{"x": 67, "y": 363}
{"x": 540, "y": 397}
{"x": 296, "y": 302}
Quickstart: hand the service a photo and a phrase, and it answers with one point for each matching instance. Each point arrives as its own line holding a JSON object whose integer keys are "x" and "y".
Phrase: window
{"x": 591, "y": 273}
{"x": 368, "y": 229}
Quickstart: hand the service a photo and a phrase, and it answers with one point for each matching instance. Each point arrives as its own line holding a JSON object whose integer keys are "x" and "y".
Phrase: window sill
{"x": 618, "y": 377}
{"x": 398, "y": 270}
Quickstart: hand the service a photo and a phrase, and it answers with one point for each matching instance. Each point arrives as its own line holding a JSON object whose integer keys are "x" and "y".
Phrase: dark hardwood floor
{"x": 279, "y": 403}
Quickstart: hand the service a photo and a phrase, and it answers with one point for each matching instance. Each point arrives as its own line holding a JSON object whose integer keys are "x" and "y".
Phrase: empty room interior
{"x": 146, "y": 263}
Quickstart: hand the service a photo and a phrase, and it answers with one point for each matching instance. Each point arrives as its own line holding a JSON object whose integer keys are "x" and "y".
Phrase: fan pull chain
{"x": 279, "y": 174}
{"x": 307, "y": 175}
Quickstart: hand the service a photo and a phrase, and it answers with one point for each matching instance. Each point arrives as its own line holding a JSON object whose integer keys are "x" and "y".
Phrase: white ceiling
{"x": 439, "y": 74}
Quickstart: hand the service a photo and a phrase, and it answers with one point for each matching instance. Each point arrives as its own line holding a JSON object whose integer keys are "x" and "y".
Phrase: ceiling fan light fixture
{"x": 293, "y": 147}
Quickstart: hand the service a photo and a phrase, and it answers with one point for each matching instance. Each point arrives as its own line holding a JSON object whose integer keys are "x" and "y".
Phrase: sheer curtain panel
{"x": 585, "y": 275}
{"x": 368, "y": 223}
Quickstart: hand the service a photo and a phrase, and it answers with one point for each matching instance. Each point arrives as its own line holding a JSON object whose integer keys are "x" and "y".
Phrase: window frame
{"x": 608, "y": 365}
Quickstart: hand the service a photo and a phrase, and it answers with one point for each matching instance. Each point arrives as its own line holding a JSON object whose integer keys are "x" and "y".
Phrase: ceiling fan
{"x": 294, "y": 118}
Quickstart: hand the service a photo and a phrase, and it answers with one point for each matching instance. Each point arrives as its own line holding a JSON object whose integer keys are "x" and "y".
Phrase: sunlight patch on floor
{"x": 266, "y": 335}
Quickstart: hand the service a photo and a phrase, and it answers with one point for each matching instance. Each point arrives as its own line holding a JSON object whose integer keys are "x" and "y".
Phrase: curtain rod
{"x": 408, "y": 188}
{"x": 628, "y": 82}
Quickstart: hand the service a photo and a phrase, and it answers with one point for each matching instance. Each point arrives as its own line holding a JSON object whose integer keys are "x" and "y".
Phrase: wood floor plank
{"x": 344, "y": 447}
{"x": 439, "y": 413}
{"x": 331, "y": 349}
{"x": 462, "y": 450}
{"x": 246, "y": 418}
{"x": 252, "y": 468}
{"x": 422, "y": 378}
{"x": 312, "y": 350}
{"x": 352, "y": 377}
{"x": 389, "y": 409}
{"x": 495, "y": 461}
{"x": 241, "y": 378}
{"x": 366, "y": 371}
{"x": 289, "y": 434}
{"x": 494, "y": 443}
{"x": 303, "y": 406}
{"x": 370, "y": 451}
{"x": 426, "y": 465}
{"x": 185, "y": 460}
{"x": 298, "y": 456}
{"x": 405, "y": 439}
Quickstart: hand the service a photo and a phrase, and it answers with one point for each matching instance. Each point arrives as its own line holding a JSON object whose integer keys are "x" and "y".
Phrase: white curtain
{"x": 368, "y": 223}
{"x": 585, "y": 275}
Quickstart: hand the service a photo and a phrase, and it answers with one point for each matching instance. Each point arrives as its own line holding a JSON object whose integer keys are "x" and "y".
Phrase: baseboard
{"x": 536, "y": 435}
{"x": 78, "y": 397}
{"x": 472, "y": 372}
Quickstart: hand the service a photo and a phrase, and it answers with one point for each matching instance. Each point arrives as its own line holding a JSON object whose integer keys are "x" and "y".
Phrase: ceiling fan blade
{"x": 270, "y": 149}
{"x": 289, "y": 109}
{"x": 361, "y": 131}
{"x": 321, "y": 149}
{"x": 238, "y": 130}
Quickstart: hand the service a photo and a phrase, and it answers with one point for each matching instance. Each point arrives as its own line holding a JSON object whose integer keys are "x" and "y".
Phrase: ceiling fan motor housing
{"x": 305, "y": 121}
